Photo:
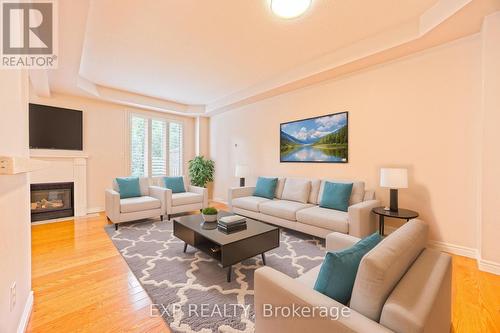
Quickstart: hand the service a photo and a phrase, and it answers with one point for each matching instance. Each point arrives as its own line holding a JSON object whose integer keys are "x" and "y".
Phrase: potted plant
{"x": 209, "y": 214}
{"x": 201, "y": 171}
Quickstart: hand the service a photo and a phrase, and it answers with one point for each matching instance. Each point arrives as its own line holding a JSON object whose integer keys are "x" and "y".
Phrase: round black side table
{"x": 404, "y": 214}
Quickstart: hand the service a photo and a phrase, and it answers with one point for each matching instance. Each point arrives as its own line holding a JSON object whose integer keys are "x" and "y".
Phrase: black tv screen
{"x": 55, "y": 128}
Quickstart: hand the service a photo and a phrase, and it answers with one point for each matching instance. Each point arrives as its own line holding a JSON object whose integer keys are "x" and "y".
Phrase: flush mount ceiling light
{"x": 290, "y": 8}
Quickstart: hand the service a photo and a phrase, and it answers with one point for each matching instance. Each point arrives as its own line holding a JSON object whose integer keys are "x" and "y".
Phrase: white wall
{"x": 105, "y": 140}
{"x": 421, "y": 112}
{"x": 15, "y": 232}
{"x": 490, "y": 210}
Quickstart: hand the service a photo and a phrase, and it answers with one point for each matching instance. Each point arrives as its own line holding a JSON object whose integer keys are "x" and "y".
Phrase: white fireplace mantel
{"x": 64, "y": 167}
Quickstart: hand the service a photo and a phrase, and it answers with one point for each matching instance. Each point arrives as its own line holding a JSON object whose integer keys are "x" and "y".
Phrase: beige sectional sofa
{"x": 296, "y": 206}
{"x": 401, "y": 286}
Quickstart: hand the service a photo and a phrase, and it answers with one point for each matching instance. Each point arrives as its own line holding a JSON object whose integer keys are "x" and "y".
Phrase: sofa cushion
{"x": 160, "y": 181}
{"x": 357, "y": 194}
{"x": 128, "y": 187}
{"x": 137, "y": 204}
{"x": 186, "y": 198}
{"x": 176, "y": 184}
{"x": 265, "y": 187}
{"x": 249, "y": 203}
{"x": 296, "y": 190}
{"x": 313, "y": 196}
{"x": 338, "y": 271}
{"x": 381, "y": 269}
{"x": 279, "y": 187}
{"x": 144, "y": 184}
{"x": 284, "y": 209}
{"x": 336, "y": 196}
{"x": 330, "y": 219}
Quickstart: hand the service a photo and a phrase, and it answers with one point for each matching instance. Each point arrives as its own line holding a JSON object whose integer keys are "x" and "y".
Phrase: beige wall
{"x": 490, "y": 211}
{"x": 105, "y": 140}
{"x": 15, "y": 233}
{"x": 421, "y": 112}
{"x": 203, "y": 136}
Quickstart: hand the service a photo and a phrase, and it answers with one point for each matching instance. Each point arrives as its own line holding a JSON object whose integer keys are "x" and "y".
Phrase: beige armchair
{"x": 150, "y": 204}
{"x": 195, "y": 197}
{"x": 401, "y": 286}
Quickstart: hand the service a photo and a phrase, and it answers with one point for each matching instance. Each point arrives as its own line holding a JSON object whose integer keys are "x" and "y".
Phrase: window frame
{"x": 149, "y": 117}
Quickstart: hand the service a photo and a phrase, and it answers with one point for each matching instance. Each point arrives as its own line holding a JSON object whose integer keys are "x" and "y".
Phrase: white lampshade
{"x": 394, "y": 178}
{"x": 241, "y": 171}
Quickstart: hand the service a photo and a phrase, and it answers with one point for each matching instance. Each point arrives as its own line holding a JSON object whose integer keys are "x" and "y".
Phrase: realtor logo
{"x": 28, "y": 34}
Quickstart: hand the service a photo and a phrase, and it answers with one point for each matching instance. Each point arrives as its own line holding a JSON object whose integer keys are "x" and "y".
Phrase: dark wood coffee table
{"x": 227, "y": 249}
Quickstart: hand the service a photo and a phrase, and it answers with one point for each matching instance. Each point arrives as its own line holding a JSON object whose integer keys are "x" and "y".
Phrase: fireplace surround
{"x": 52, "y": 201}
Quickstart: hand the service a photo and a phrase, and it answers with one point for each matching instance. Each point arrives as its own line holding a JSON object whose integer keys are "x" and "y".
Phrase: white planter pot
{"x": 210, "y": 218}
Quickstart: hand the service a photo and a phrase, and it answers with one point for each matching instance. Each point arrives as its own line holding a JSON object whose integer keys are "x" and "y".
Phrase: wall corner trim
{"x": 488, "y": 266}
{"x": 454, "y": 249}
{"x": 25, "y": 317}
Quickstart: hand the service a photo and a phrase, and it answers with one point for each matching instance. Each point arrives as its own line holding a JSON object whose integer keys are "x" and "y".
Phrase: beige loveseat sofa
{"x": 296, "y": 206}
{"x": 401, "y": 286}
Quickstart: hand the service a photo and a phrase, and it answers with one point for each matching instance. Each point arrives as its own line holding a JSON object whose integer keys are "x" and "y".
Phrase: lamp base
{"x": 394, "y": 200}
{"x": 242, "y": 182}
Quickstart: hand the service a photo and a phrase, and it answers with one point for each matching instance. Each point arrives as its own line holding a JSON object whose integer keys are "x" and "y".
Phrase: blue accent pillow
{"x": 265, "y": 187}
{"x": 336, "y": 196}
{"x": 176, "y": 184}
{"x": 129, "y": 187}
{"x": 338, "y": 271}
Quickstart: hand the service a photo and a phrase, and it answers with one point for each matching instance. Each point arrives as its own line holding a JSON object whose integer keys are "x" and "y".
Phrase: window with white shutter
{"x": 175, "y": 149}
{"x": 138, "y": 146}
{"x": 158, "y": 147}
{"x": 155, "y": 146}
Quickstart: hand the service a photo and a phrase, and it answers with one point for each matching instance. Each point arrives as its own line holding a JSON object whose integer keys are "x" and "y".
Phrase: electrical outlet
{"x": 13, "y": 296}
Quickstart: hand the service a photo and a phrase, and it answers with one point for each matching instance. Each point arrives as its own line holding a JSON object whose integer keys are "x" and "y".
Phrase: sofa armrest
{"x": 163, "y": 194}
{"x": 274, "y": 289}
{"x": 200, "y": 190}
{"x": 238, "y": 192}
{"x": 421, "y": 301}
{"x": 112, "y": 203}
{"x": 369, "y": 195}
{"x": 338, "y": 241}
{"x": 362, "y": 222}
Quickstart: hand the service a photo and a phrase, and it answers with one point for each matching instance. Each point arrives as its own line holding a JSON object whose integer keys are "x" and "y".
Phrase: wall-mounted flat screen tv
{"x": 321, "y": 139}
{"x": 55, "y": 128}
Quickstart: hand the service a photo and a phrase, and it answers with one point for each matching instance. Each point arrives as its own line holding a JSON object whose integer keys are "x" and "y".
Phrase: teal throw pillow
{"x": 176, "y": 184}
{"x": 338, "y": 271}
{"x": 265, "y": 187}
{"x": 336, "y": 196}
{"x": 129, "y": 187}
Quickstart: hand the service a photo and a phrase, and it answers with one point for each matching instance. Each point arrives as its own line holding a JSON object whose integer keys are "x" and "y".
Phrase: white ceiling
{"x": 198, "y": 52}
{"x": 197, "y": 57}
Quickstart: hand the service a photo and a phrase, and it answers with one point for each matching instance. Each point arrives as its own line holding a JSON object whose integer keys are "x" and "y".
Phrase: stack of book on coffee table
{"x": 233, "y": 223}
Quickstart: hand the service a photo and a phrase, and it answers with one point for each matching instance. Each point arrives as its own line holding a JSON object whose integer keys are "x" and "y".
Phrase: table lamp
{"x": 241, "y": 172}
{"x": 394, "y": 178}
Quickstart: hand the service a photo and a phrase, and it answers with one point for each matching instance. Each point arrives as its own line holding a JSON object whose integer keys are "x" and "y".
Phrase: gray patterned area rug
{"x": 189, "y": 289}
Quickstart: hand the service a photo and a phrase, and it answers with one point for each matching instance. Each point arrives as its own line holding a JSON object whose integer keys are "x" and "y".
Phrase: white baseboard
{"x": 454, "y": 249}
{"x": 488, "y": 266}
{"x": 94, "y": 210}
{"x": 25, "y": 318}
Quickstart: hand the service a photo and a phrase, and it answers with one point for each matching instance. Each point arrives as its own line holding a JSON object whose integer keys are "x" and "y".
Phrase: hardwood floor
{"x": 82, "y": 284}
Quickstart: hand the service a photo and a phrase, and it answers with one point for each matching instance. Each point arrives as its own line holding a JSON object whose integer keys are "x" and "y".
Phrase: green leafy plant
{"x": 209, "y": 211}
{"x": 201, "y": 171}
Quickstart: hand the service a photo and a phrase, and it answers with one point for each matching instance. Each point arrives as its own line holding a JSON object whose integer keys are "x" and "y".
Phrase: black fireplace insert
{"x": 52, "y": 201}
